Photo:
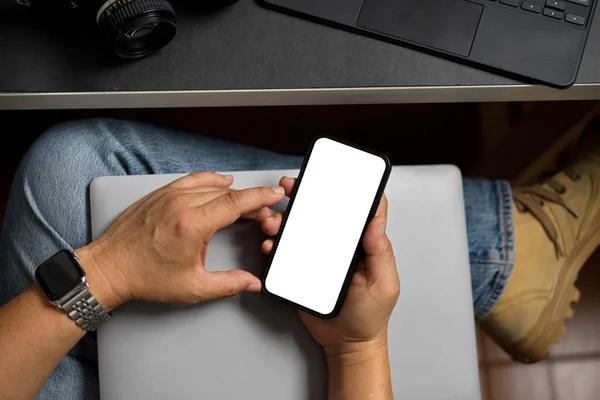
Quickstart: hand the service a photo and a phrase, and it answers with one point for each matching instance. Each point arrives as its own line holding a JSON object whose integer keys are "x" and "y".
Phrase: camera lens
{"x": 137, "y": 27}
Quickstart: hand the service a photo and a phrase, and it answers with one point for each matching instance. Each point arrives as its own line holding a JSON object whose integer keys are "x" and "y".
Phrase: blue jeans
{"x": 48, "y": 211}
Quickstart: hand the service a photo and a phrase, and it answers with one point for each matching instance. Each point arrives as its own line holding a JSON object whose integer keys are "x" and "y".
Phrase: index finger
{"x": 197, "y": 179}
{"x": 225, "y": 210}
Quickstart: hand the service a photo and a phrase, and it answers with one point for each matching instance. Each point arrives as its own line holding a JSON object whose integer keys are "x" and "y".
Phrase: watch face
{"x": 58, "y": 275}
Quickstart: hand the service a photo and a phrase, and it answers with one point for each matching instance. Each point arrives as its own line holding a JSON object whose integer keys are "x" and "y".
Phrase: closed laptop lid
{"x": 253, "y": 347}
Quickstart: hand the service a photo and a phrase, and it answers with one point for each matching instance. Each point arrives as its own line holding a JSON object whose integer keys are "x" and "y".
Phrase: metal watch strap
{"x": 85, "y": 310}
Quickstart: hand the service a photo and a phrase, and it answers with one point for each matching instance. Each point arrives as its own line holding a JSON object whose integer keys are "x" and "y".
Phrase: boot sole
{"x": 550, "y": 327}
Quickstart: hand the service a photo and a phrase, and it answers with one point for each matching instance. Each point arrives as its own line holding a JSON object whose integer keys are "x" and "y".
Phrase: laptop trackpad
{"x": 448, "y": 25}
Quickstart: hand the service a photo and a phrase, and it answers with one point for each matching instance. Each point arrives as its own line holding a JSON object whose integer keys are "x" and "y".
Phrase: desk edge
{"x": 292, "y": 97}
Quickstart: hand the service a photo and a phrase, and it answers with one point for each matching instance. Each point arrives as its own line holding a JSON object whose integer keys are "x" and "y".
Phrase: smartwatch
{"x": 65, "y": 285}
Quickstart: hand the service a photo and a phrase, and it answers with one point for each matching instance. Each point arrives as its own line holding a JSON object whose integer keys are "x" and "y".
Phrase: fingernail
{"x": 228, "y": 176}
{"x": 381, "y": 227}
{"x": 254, "y": 287}
{"x": 279, "y": 190}
{"x": 271, "y": 215}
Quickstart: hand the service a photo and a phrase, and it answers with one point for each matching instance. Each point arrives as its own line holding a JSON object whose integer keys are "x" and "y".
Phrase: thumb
{"x": 380, "y": 264}
{"x": 221, "y": 284}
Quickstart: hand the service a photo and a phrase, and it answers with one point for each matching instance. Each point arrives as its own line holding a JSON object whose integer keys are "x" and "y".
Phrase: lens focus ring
{"x": 138, "y": 27}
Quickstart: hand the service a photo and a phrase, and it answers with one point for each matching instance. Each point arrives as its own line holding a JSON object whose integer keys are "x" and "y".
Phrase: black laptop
{"x": 536, "y": 40}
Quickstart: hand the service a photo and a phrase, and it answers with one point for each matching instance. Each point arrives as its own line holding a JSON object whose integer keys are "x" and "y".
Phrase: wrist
{"x": 357, "y": 352}
{"x": 359, "y": 370}
{"x": 108, "y": 287}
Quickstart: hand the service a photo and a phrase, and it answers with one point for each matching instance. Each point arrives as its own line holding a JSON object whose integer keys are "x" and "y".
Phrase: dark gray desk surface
{"x": 246, "y": 55}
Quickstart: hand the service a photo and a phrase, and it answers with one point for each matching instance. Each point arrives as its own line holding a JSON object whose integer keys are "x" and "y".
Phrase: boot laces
{"x": 531, "y": 198}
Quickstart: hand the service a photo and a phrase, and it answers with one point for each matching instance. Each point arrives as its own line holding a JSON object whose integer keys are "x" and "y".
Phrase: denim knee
{"x": 61, "y": 153}
{"x": 49, "y": 189}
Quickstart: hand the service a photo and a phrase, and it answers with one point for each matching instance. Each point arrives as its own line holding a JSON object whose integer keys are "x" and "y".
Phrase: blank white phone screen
{"x": 324, "y": 225}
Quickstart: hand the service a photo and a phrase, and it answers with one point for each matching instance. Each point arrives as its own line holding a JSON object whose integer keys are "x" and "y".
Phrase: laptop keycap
{"x": 556, "y": 4}
{"x": 582, "y": 2}
{"x": 575, "y": 19}
{"x": 514, "y": 3}
{"x": 553, "y": 13}
{"x": 533, "y": 7}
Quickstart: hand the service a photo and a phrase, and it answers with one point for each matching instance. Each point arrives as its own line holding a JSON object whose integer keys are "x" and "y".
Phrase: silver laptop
{"x": 252, "y": 347}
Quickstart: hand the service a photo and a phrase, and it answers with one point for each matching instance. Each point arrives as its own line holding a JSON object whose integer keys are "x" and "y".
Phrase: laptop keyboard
{"x": 573, "y": 12}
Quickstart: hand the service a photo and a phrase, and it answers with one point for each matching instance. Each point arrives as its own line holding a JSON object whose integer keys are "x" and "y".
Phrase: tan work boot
{"x": 557, "y": 228}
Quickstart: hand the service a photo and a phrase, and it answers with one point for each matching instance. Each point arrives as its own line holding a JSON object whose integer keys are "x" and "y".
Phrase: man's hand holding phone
{"x": 355, "y": 341}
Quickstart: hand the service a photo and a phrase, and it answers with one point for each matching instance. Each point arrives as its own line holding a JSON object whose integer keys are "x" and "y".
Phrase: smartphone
{"x": 320, "y": 240}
